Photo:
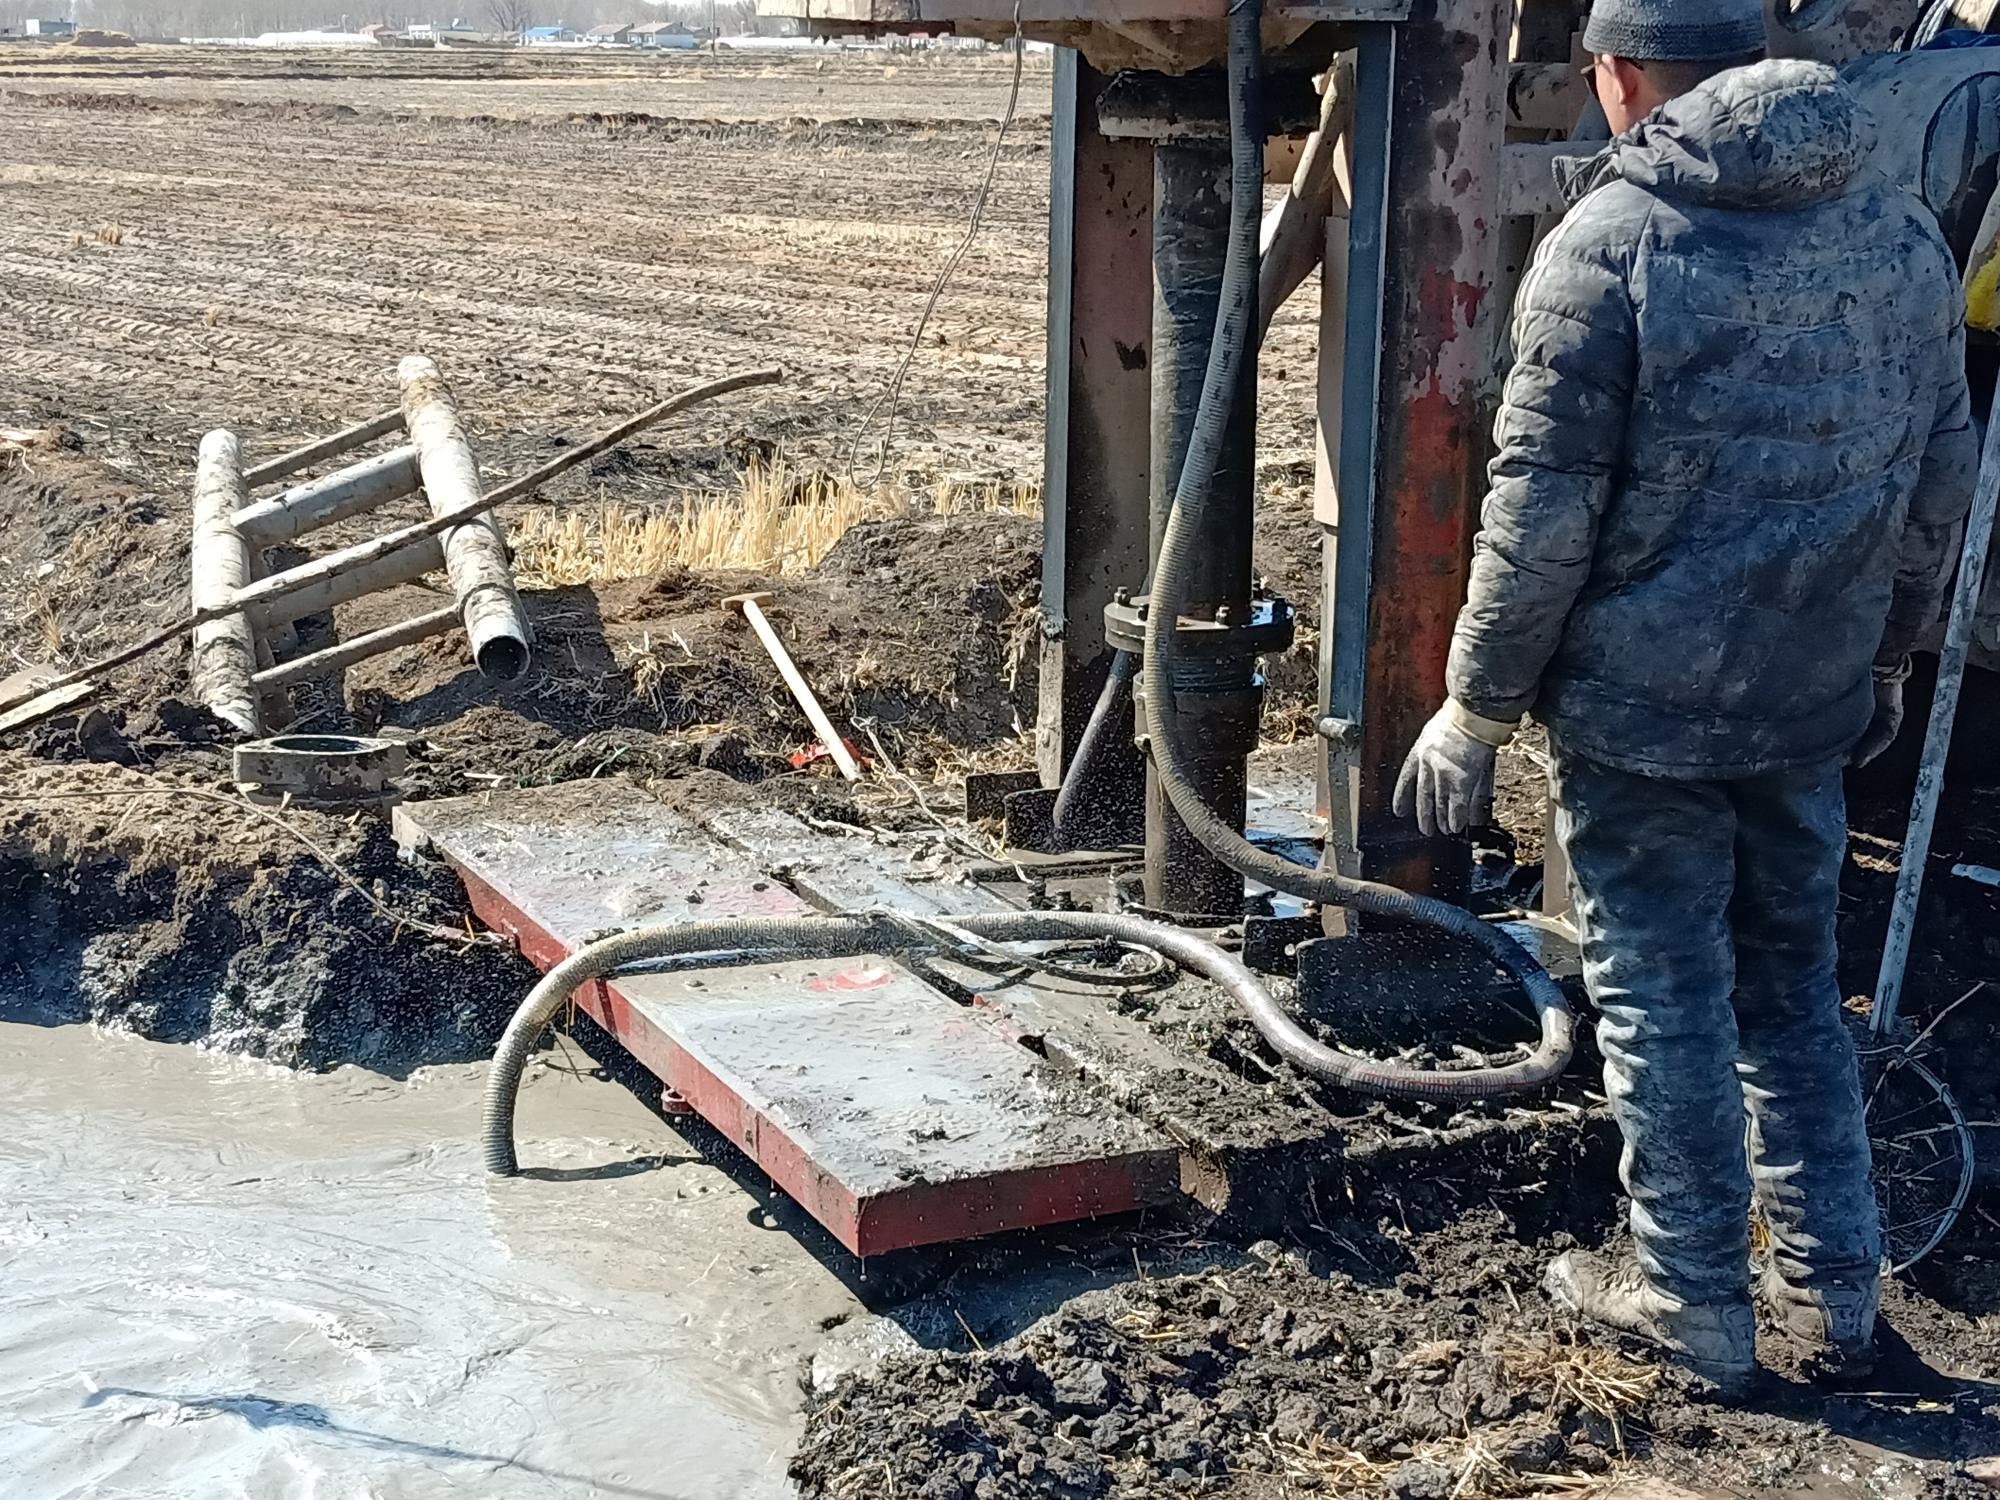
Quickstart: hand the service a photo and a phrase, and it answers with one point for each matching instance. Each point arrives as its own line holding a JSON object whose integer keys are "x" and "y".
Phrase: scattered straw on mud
{"x": 1586, "y": 1375}
{"x": 774, "y": 521}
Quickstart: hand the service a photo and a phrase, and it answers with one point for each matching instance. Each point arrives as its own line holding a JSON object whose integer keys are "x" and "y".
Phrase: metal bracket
{"x": 1266, "y": 631}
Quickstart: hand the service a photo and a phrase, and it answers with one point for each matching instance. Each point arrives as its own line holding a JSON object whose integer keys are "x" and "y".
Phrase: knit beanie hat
{"x": 1674, "y": 30}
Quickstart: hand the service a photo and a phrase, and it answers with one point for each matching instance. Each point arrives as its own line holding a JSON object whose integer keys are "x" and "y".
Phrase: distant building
{"x": 49, "y": 28}
{"x": 609, "y": 36}
{"x": 662, "y": 34}
{"x": 421, "y": 31}
{"x": 545, "y": 36}
{"x": 315, "y": 39}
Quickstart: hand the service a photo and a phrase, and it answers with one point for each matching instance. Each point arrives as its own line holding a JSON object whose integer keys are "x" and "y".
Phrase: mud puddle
{"x": 222, "y": 1278}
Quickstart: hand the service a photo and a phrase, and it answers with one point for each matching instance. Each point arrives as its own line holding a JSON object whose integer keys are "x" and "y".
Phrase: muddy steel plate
{"x": 893, "y": 1114}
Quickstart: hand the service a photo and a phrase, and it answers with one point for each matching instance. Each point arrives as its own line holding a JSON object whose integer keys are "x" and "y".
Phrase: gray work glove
{"x": 1882, "y": 729}
{"x": 1447, "y": 779}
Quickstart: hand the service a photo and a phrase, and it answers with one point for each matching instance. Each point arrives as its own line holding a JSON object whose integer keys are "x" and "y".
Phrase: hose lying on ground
{"x": 1235, "y": 342}
{"x": 847, "y": 935}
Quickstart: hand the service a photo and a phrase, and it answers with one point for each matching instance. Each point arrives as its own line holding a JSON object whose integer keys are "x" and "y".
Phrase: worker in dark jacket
{"x": 1734, "y": 446}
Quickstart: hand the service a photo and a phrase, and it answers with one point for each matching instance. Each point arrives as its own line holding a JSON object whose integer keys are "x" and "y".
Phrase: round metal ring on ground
{"x": 333, "y": 771}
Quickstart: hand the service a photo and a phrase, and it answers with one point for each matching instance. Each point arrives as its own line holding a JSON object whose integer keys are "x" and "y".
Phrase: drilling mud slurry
{"x": 222, "y": 1278}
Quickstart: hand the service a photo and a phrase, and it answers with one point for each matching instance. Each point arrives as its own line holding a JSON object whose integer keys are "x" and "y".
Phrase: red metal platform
{"x": 893, "y": 1114}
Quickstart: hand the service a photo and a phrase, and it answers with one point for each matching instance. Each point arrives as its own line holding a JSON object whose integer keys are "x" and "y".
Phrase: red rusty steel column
{"x": 1440, "y": 244}
{"x": 1095, "y": 479}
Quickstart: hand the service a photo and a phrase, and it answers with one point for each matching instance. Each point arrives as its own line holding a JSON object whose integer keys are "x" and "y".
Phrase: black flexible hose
{"x": 846, "y": 935}
{"x": 1235, "y": 342}
{"x": 1096, "y": 735}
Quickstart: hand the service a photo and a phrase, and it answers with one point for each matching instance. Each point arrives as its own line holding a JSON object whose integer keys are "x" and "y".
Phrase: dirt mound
{"x": 923, "y": 627}
{"x": 89, "y": 37}
{"x": 159, "y": 906}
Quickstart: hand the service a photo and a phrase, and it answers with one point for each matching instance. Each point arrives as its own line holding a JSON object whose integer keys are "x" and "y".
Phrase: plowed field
{"x": 201, "y": 237}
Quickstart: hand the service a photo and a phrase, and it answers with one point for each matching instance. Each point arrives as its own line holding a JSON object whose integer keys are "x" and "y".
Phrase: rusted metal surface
{"x": 1094, "y": 485}
{"x": 894, "y": 1115}
{"x": 1167, "y": 35}
{"x": 1438, "y": 247}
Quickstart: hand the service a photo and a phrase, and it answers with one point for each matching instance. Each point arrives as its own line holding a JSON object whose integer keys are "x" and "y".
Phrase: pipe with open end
{"x": 1235, "y": 343}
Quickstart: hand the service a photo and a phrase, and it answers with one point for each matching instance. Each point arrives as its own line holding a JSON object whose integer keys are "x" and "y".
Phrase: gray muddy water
{"x": 219, "y": 1278}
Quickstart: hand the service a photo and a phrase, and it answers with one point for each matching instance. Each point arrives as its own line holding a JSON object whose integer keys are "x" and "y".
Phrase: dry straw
{"x": 775, "y": 521}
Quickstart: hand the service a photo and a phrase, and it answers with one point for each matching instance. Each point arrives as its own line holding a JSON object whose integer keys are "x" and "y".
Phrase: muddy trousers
{"x": 1706, "y": 910}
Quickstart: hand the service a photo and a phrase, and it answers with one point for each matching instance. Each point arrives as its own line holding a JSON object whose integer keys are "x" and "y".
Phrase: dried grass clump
{"x": 1333, "y": 1468}
{"x": 1599, "y": 1379}
{"x": 774, "y": 521}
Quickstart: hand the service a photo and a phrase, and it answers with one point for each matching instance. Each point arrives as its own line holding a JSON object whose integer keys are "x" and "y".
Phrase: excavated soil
{"x": 1417, "y": 1363}
{"x": 164, "y": 906}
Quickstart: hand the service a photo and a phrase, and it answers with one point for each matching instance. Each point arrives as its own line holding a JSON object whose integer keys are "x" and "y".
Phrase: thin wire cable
{"x": 894, "y": 391}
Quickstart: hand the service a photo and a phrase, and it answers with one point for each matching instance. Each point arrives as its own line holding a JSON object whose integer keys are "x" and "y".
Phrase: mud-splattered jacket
{"x": 1734, "y": 445}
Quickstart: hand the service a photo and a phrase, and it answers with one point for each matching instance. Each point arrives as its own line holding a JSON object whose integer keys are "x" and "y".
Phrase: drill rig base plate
{"x": 892, "y": 1113}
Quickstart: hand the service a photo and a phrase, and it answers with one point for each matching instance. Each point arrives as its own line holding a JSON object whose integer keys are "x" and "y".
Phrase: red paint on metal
{"x": 871, "y": 978}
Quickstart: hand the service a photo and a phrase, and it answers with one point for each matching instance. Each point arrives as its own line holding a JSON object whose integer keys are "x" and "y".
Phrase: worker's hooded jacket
{"x": 1735, "y": 442}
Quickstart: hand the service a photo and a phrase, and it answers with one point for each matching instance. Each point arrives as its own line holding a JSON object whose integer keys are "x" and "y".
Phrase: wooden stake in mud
{"x": 752, "y": 607}
{"x": 225, "y": 648}
{"x": 335, "y": 563}
{"x": 475, "y": 553}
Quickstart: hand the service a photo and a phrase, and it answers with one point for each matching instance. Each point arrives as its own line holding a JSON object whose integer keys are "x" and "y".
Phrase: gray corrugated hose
{"x": 1234, "y": 343}
{"x": 849, "y": 934}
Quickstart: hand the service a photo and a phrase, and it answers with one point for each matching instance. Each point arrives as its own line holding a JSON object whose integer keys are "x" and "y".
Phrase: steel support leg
{"x": 1094, "y": 486}
{"x": 1218, "y": 699}
{"x": 1429, "y": 121}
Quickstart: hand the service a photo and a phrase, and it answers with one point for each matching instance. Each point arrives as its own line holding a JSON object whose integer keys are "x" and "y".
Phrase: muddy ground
{"x": 278, "y": 245}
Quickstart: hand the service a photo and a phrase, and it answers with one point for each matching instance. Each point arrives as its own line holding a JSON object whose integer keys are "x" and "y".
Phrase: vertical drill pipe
{"x": 320, "y": 502}
{"x": 1217, "y": 698}
{"x": 1937, "y": 734}
{"x": 475, "y": 553}
{"x": 225, "y": 650}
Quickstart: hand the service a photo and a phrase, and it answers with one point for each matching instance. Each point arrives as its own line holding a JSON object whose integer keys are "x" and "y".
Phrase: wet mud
{"x": 224, "y": 1278}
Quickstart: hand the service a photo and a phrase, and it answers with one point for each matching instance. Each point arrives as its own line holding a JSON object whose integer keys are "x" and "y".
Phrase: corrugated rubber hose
{"x": 1235, "y": 342}
{"x": 846, "y": 935}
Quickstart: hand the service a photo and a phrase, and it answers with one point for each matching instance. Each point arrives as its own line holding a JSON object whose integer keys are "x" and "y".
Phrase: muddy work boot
{"x": 1719, "y": 1344}
{"x": 1833, "y": 1322}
